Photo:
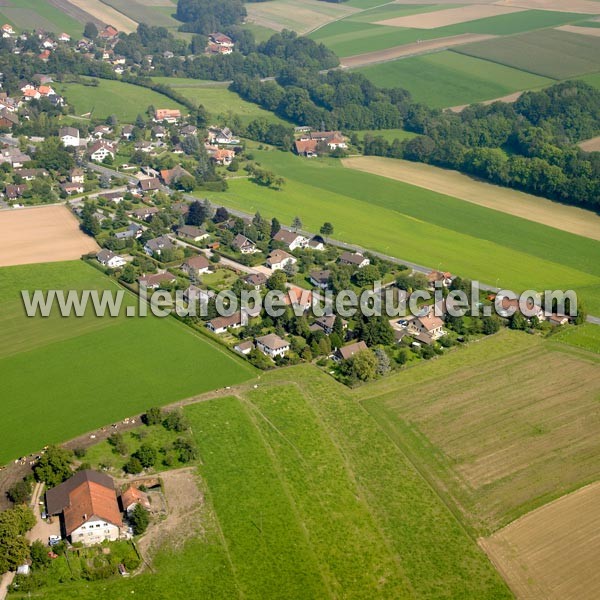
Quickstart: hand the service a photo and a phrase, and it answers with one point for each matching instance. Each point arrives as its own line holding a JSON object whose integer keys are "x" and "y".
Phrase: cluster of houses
{"x": 47, "y": 42}
{"x": 91, "y": 510}
{"x": 219, "y": 43}
{"x": 311, "y": 143}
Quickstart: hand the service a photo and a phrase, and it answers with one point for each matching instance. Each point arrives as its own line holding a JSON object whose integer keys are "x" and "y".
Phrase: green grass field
{"x": 33, "y": 14}
{"x": 124, "y": 100}
{"x": 492, "y": 426}
{"x": 388, "y": 134}
{"x": 142, "y": 11}
{"x": 551, "y": 53}
{"x": 65, "y": 376}
{"x": 310, "y": 499}
{"x": 448, "y": 79}
{"x": 592, "y": 78}
{"x": 586, "y": 336}
{"x": 217, "y": 99}
{"x": 357, "y": 34}
{"x": 422, "y": 226}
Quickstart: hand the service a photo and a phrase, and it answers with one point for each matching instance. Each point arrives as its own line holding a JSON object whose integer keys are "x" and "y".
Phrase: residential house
{"x": 99, "y": 150}
{"x": 156, "y": 280}
{"x": 151, "y": 184}
{"x": 7, "y": 31}
{"x": 440, "y": 278}
{"x": 108, "y": 33}
{"x": 272, "y": 345}
{"x": 223, "y": 156}
{"x": 320, "y": 278}
{"x": 221, "y": 135}
{"x": 190, "y": 232}
{"x": 88, "y": 508}
{"x": 354, "y": 259}
{"x": 77, "y": 176}
{"x": 133, "y": 497}
{"x": 70, "y": 188}
{"x": 326, "y": 323}
{"x": 333, "y": 139}
{"x": 429, "y": 326}
{"x": 279, "y": 259}
{"x": 127, "y": 131}
{"x": 31, "y": 174}
{"x": 12, "y": 192}
{"x": 290, "y": 239}
{"x": 8, "y": 119}
{"x": 196, "y": 265}
{"x": 14, "y": 157}
{"x": 64, "y": 37}
{"x": 156, "y": 246}
{"x": 115, "y": 197}
{"x": 188, "y": 130}
{"x": 144, "y": 146}
{"x": 222, "y": 324}
{"x": 196, "y": 294}
{"x": 510, "y": 306}
{"x": 557, "y": 319}
{"x": 110, "y": 259}
{"x": 257, "y": 280}
{"x": 298, "y": 297}
{"x": 221, "y": 39}
{"x": 244, "y": 245}
{"x": 159, "y": 132}
{"x": 346, "y": 352}
{"x": 317, "y": 244}
{"x": 101, "y": 130}
{"x": 134, "y": 231}
{"x": 145, "y": 213}
{"x": 306, "y": 148}
{"x": 170, "y": 176}
{"x": 69, "y": 136}
{"x": 166, "y": 115}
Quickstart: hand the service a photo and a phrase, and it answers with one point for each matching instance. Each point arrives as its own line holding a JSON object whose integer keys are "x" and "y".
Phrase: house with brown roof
{"x": 429, "y": 326}
{"x": 87, "y": 506}
{"x": 272, "y": 345}
{"x": 244, "y": 347}
{"x": 12, "y": 192}
{"x": 279, "y": 259}
{"x": 196, "y": 265}
{"x": 133, "y": 496}
{"x": 244, "y": 244}
{"x": 346, "y": 352}
{"x": 291, "y": 239}
{"x": 191, "y": 232}
{"x": 439, "y": 277}
{"x": 354, "y": 259}
{"x": 156, "y": 246}
{"x": 166, "y": 115}
{"x": 149, "y": 185}
{"x": 170, "y": 176}
{"x": 320, "y": 278}
{"x": 156, "y": 280}
{"x": 222, "y": 324}
{"x": 257, "y": 280}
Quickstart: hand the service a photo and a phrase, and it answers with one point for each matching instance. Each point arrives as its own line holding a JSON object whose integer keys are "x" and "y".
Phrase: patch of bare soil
{"x": 592, "y": 145}
{"x": 575, "y": 6}
{"x": 508, "y": 98}
{"x": 379, "y": 56}
{"x": 593, "y": 31}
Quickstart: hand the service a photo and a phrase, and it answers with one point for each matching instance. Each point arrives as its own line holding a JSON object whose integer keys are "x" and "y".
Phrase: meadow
{"x": 124, "y": 100}
{"x": 217, "y": 99}
{"x": 311, "y": 500}
{"x": 498, "y": 437}
{"x": 551, "y": 53}
{"x": 422, "y": 226}
{"x": 358, "y": 34}
{"x": 65, "y": 376}
{"x": 586, "y": 336}
{"x": 447, "y": 78}
{"x": 31, "y": 14}
{"x": 156, "y": 13}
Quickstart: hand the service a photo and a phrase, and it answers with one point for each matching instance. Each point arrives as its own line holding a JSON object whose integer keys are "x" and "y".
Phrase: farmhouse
{"x": 69, "y": 136}
{"x": 272, "y": 345}
{"x": 133, "y": 496}
{"x": 244, "y": 245}
{"x": 346, "y": 352}
{"x": 190, "y": 232}
{"x": 196, "y": 265}
{"x": 158, "y": 245}
{"x": 110, "y": 259}
{"x": 320, "y": 278}
{"x": 306, "y": 148}
{"x": 279, "y": 259}
{"x": 88, "y": 508}
{"x": 221, "y": 39}
{"x": 155, "y": 280}
{"x": 290, "y": 239}
{"x": 354, "y": 259}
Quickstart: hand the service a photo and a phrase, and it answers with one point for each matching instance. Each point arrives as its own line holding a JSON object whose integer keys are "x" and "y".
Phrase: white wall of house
{"x": 95, "y": 531}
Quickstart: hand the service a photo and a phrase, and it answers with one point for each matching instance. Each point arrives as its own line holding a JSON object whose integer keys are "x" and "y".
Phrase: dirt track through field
{"x": 575, "y": 6}
{"x": 40, "y": 235}
{"x": 379, "y": 56}
{"x": 552, "y": 553}
{"x": 452, "y": 183}
{"x": 508, "y": 98}
{"x": 106, "y": 14}
{"x": 450, "y": 16}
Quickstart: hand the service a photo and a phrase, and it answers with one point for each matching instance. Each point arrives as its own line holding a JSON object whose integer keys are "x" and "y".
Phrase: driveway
{"x": 42, "y": 530}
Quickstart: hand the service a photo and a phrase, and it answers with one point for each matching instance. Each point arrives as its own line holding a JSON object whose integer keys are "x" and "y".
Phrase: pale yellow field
{"x": 593, "y": 31}
{"x": 589, "y": 7}
{"x": 450, "y": 16}
{"x": 552, "y": 553}
{"x": 568, "y": 218}
{"x": 106, "y": 14}
{"x": 592, "y": 145}
{"x": 41, "y": 234}
{"x": 370, "y": 58}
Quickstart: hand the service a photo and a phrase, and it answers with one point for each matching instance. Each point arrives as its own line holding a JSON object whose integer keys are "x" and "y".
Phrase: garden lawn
{"x": 65, "y": 376}
{"x": 123, "y": 100}
{"x": 448, "y": 79}
{"x": 421, "y": 226}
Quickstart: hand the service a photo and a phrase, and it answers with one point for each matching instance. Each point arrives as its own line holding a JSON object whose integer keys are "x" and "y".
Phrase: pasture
{"x": 586, "y": 336}
{"x": 124, "y": 100}
{"x": 217, "y": 99}
{"x": 498, "y": 438}
{"x": 550, "y": 53}
{"x": 422, "y": 226}
{"x": 447, "y": 79}
{"x": 552, "y": 553}
{"x": 65, "y": 376}
{"x": 152, "y": 12}
{"x": 32, "y": 14}
{"x": 533, "y": 208}
{"x": 41, "y": 234}
{"x": 311, "y": 500}
{"x": 106, "y": 14}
